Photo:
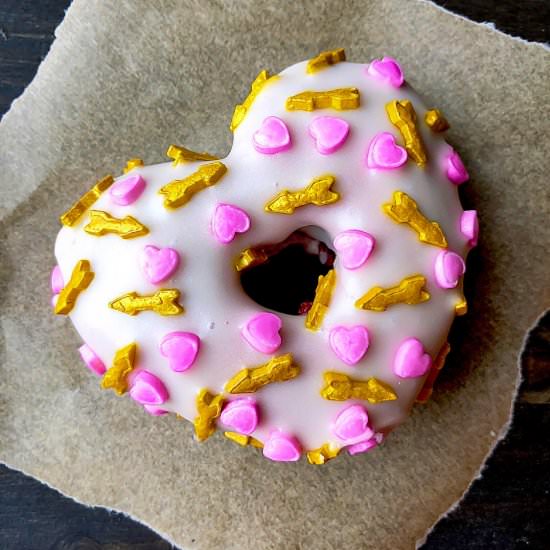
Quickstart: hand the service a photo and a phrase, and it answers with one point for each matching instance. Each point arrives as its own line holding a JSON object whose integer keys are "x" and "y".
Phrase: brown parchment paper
{"x": 127, "y": 78}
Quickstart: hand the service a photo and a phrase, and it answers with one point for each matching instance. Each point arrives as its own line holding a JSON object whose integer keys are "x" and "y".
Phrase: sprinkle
{"x": 102, "y": 223}
{"x": 272, "y": 136}
{"x": 403, "y": 116}
{"x": 123, "y": 364}
{"x": 409, "y": 291}
{"x": 257, "y": 86}
{"x": 448, "y": 268}
{"x": 386, "y": 70}
{"x": 323, "y": 454}
{"x": 209, "y": 407}
{"x": 461, "y": 308}
{"x": 241, "y": 415}
{"x": 179, "y": 192}
{"x": 329, "y": 133}
{"x": 180, "y": 155}
{"x": 349, "y": 344}
{"x": 411, "y": 359}
{"x": 80, "y": 280}
{"x": 127, "y": 190}
{"x": 228, "y": 220}
{"x": 362, "y": 446}
{"x": 76, "y": 211}
{"x": 456, "y": 171}
{"x": 354, "y": 247}
{"x": 469, "y": 226}
{"x": 131, "y": 164}
{"x": 261, "y": 332}
{"x": 318, "y": 193}
{"x": 56, "y": 280}
{"x": 282, "y": 447}
{"x": 147, "y": 389}
{"x": 341, "y": 99}
{"x": 154, "y": 411}
{"x": 181, "y": 349}
{"x": 435, "y": 121}
{"x": 384, "y": 153}
{"x": 405, "y": 210}
{"x": 158, "y": 264}
{"x": 325, "y": 59}
{"x": 341, "y": 387}
{"x": 250, "y": 257}
{"x": 244, "y": 440}
{"x": 163, "y": 302}
{"x": 321, "y": 302}
{"x": 250, "y": 380}
{"x": 437, "y": 365}
{"x": 91, "y": 360}
{"x": 352, "y": 425}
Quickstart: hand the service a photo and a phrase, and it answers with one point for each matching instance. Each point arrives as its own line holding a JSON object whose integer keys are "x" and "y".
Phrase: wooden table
{"x": 508, "y": 509}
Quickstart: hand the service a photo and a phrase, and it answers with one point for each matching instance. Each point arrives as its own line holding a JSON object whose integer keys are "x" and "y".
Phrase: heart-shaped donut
{"x": 170, "y": 272}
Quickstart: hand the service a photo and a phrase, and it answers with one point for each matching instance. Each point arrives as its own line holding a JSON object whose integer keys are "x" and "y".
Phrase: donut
{"x": 337, "y": 163}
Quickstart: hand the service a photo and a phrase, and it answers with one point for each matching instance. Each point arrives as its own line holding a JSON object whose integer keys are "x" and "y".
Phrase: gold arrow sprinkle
{"x": 341, "y": 99}
{"x": 250, "y": 380}
{"x": 461, "y": 308}
{"x": 123, "y": 364}
{"x": 179, "y": 155}
{"x": 403, "y": 116}
{"x": 209, "y": 407}
{"x": 179, "y": 192}
{"x": 323, "y": 293}
{"x": 80, "y": 280}
{"x": 323, "y": 454}
{"x": 404, "y": 209}
{"x": 409, "y": 291}
{"x": 131, "y": 164}
{"x": 435, "y": 121}
{"x": 250, "y": 257}
{"x": 318, "y": 193}
{"x": 257, "y": 86}
{"x": 437, "y": 365}
{"x": 101, "y": 223}
{"x": 244, "y": 440}
{"x": 163, "y": 302}
{"x": 76, "y": 211}
{"x": 325, "y": 59}
{"x": 341, "y": 387}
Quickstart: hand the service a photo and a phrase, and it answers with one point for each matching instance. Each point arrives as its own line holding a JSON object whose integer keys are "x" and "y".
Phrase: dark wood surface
{"x": 508, "y": 509}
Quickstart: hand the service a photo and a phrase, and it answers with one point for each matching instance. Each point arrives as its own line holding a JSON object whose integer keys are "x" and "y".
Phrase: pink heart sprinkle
{"x": 158, "y": 264}
{"x": 56, "y": 280}
{"x": 91, "y": 360}
{"x": 456, "y": 171}
{"x": 384, "y": 153}
{"x": 147, "y": 389}
{"x": 240, "y": 415}
{"x": 469, "y": 226}
{"x": 354, "y": 247}
{"x": 127, "y": 190}
{"x": 386, "y": 70}
{"x": 362, "y": 447}
{"x": 282, "y": 447}
{"x": 154, "y": 411}
{"x": 352, "y": 425}
{"x": 272, "y": 137}
{"x": 227, "y": 221}
{"x": 181, "y": 349}
{"x": 349, "y": 344}
{"x": 411, "y": 360}
{"x": 262, "y": 332}
{"x": 329, "y": 133}
{"x": 448, "y": 267}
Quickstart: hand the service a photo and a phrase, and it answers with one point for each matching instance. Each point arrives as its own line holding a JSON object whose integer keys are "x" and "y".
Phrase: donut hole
{"x": 287, "y": 280}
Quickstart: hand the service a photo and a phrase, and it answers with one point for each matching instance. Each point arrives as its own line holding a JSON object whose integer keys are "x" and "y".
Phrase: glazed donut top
{"x": 149, "y": 265}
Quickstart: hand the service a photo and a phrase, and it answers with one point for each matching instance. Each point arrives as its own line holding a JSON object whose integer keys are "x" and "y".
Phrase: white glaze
{"x": 216, "y": 307}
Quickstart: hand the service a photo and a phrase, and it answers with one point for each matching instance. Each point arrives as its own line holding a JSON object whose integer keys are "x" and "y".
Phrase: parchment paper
{"x": 127, "y": 78}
